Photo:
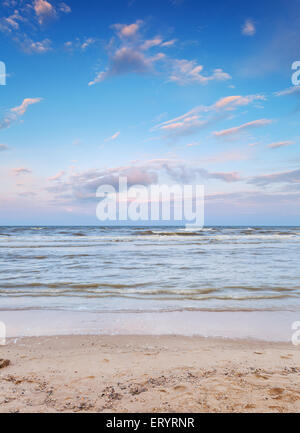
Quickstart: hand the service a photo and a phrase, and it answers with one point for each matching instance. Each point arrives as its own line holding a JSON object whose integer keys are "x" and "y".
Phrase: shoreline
{"x": 266, "y": 326}
{"x": 144, "y": 373}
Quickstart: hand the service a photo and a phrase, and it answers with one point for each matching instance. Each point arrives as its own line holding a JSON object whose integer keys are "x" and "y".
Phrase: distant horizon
{"x": 150, "y": 225}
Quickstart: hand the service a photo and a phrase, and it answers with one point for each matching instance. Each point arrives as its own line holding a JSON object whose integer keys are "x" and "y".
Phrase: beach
{"x": 148, "y": 374}
{"x": 168, "y": 319}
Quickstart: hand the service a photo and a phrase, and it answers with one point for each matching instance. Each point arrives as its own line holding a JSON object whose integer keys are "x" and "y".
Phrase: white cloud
{"x": 248, "y": 28}
{"x": 113, "y": 137}
{"x": 188, "y": 72}
{"x": 16, "y": 112}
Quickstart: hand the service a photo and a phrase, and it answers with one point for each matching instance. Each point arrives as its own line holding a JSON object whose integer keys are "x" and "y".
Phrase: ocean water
{"x": 158, "y": 269}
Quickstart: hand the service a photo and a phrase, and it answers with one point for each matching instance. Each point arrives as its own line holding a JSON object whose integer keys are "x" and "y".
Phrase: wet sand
{"x": 148, "y": 374}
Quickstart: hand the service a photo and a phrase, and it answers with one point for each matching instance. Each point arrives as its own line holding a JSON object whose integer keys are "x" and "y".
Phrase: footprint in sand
{"x": 276, "y": 392}
{"x": 286, "y": 356}
{"x": 180, "y": 388}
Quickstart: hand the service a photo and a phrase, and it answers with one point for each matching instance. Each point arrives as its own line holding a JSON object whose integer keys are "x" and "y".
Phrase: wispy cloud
{"x": 40, "y": 47}
{"x": 245, "y": 126}
{"x": 280, "y": 144}
{"x": 21, "y": 109}
{"x": 292, "y": 176}
{"x": 201, "y": 116}
{"x": 232, "y": 102}
{"x": 21, "y": 170}
{"x": 80, "y": 44}
{"x": 249, "y": 28}
{"x": 293, "y": 90}
{"x": 188, "y": 72}
{"x": 57, "y": 176}
{"x": 16, "y": 112}
{"x": 113, "y": 137}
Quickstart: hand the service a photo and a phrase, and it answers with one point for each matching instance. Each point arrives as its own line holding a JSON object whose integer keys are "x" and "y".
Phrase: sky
{"x": 168, "y": 91}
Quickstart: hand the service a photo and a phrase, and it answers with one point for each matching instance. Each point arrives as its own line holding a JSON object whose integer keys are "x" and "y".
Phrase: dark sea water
{"x": 105, "y": 269}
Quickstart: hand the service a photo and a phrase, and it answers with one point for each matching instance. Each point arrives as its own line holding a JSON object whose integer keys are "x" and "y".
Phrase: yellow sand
{"x": 148, "y": 374}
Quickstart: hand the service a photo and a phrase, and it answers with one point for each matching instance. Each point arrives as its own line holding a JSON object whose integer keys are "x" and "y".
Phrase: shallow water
{"x": 106, "y": 269}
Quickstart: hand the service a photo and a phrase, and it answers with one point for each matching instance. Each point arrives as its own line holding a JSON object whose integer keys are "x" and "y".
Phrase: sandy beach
{"x": 148, "y": 374}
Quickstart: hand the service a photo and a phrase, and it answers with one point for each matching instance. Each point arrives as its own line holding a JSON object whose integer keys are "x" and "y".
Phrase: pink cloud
{"x": 237, "y": 129}
{"x": 280, "y": 144}
{"x": 21, "y": 109}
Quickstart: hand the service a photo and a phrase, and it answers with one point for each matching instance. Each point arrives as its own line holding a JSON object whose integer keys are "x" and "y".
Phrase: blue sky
{"x": 161, "y": 91}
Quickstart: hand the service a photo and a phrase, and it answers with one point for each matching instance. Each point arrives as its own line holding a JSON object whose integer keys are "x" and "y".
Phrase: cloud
{"x": 201, "y": 115}
{"x": 232, "y": 102}
{"x": 87, "y": 43}
{"x": 3, "y": 147}
{"x": 128, "y": 52}
{"x": 44, "y": 10}
{"x": 21, "y": 170}
{"x": 151, "y": 43}
{"x": 78, "y": 44}
{"x": 237, "y": 129}
{"x": 248, "y": 28}
{"x": 25, "y": 19}
{"x": 280, "y": 144}
{"x": 56, "y": 176}
{"x": 127, "y": 60}
{"x": 11, "y": 23}
{"x": 292, "y": 177}
{"x": 15, "y": 113}
{"x": 188, "y": 72}
{"x": 127, "y": 30}
{"x": 192, "y": 144}
{"x": 63, "y": 7}
{"x": 278, "y": 48}
{"x": 290, "y": 91}
{"x": 82, "y": 186}
{"x": 29, "y": 46}
{"x": 113, "y": 137}
{"x": 169, "y": 43}
{"x": 155, "y": 42}
{"x": 21, "y": 109}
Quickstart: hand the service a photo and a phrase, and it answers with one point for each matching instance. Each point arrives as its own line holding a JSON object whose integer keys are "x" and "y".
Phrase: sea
{"x": 143, "y": 270}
